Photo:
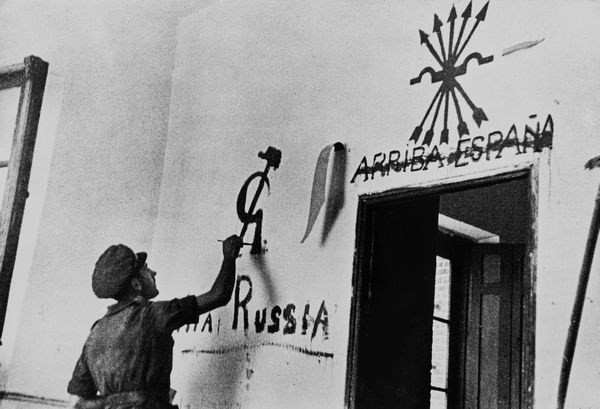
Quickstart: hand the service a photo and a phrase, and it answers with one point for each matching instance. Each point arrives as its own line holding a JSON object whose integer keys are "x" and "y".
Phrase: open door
{"x": 443, "y": 302}
{"x": 480, "y": 365}
{"x": 393, "y": 345}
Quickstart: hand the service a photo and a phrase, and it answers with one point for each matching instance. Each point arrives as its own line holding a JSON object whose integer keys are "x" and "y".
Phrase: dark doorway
{"x": 441, "y": 299}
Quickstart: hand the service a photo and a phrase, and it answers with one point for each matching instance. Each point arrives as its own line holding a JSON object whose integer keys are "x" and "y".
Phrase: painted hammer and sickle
{"x": 250, "y": 216}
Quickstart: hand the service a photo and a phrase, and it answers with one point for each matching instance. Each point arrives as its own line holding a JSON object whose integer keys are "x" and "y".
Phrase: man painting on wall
{"x": 127, "y": 358}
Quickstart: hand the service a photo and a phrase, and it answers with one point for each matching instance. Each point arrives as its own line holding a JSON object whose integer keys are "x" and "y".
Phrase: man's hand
{"x": 221, "y": 290}
{"x": 231, "y": 247}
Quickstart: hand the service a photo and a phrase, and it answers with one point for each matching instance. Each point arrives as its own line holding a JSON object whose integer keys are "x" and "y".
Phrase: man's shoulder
{"x": 95, "y": 323}
{"x": 172, "y": 314}
{"x": 119, "y": 310}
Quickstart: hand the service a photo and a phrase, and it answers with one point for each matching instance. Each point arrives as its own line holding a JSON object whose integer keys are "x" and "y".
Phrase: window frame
{"x": 455, "y": 249}
{"x": 449, "y": 323}
{"x": 30, "y": 76}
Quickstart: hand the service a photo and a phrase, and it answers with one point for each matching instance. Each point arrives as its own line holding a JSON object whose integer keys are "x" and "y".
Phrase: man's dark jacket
{"x": 127, "y": 359}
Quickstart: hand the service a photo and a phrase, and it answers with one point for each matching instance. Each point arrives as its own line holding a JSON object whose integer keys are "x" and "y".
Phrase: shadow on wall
{"x": 264, "y": 273}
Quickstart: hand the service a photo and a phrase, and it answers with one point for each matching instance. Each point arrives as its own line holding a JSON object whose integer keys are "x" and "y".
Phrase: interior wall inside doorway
{"x": 501, "y": 208}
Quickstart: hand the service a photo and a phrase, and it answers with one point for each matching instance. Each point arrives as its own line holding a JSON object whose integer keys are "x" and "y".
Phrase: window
{"x": 29, "y": 79}
{"x": 440, "y": 343}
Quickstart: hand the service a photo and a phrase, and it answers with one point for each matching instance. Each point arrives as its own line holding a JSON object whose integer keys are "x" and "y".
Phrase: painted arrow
{"x": 437, "y": 28}
{"x": 451, "y": 20}
{"x": 445, "y": 131}
{"x": 465, "y": 16}
{"x": 419, "y": 128}
{"x": 447, "y": 56}
{"x": 425, "y": 40}
{"x": 479, "y": 18}
{"x": 462, "y": 125}
{"x": 478, "y": 115}
{"x": 430, "y": 131}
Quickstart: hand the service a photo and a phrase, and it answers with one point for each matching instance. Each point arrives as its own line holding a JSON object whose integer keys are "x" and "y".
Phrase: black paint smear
{"x": 244, "y": 347}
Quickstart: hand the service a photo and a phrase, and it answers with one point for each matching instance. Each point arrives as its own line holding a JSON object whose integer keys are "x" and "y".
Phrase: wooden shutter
{"x": 494, "y": 327}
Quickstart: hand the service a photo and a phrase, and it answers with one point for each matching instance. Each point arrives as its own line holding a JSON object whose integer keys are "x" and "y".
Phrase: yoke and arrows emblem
{"x": 450, "y": 70}
{"x": 247, "y": 217}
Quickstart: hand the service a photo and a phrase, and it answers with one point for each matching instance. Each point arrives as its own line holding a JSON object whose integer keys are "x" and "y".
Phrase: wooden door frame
{"x": 362, "y": 263}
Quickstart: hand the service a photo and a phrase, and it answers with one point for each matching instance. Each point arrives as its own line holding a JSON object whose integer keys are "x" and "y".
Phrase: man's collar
{"x": 121, "y": 305}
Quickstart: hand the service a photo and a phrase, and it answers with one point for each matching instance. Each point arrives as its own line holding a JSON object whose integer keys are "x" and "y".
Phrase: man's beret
{"x": 113, "y": 270}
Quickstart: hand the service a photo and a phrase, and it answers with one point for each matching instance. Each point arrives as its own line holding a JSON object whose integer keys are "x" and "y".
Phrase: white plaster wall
{"x": 301, "y": 76}
{"x": 158, "y": 112}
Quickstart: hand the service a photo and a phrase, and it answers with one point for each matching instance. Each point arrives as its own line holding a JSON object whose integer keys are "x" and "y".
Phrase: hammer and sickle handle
{"x": 249, "y": 217}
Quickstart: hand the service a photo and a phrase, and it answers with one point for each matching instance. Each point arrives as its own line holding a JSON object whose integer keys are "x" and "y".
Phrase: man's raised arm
{"x": 222, "y": 289}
